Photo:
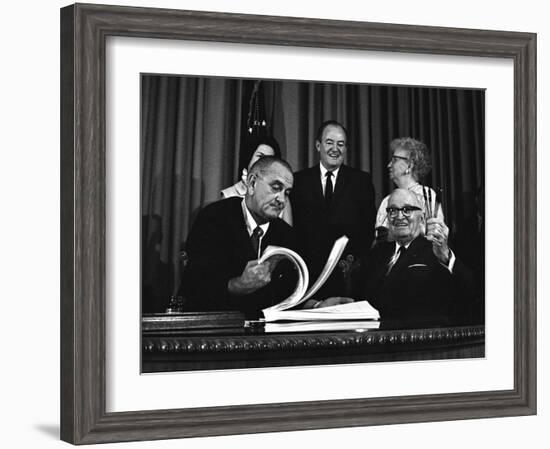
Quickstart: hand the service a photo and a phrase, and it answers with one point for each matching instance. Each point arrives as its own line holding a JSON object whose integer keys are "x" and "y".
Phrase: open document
{"x": 361, "y": 310}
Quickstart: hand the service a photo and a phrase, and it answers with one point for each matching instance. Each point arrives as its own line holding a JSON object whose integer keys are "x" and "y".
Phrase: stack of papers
{"x": 360, "y": 310}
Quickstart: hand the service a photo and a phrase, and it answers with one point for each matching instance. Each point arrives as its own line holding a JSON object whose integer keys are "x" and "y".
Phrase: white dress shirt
{"x": 324, "y": 177}
{"x": 251, "y": 225}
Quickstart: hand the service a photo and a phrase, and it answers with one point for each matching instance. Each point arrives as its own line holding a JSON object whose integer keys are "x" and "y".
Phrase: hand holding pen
{"x": 437, "y": 232}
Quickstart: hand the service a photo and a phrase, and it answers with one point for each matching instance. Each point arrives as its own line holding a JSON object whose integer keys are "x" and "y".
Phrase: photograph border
{"x": 84, "y": 29}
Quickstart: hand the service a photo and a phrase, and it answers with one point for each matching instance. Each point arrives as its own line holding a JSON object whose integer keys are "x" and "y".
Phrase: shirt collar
{"x": 397, "y": 246}
{"x": 324, "y": 172}
{"x": 250, "y": 222}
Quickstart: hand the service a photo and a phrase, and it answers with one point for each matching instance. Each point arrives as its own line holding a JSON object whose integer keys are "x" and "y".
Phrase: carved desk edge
{"x": 308, "y": 341}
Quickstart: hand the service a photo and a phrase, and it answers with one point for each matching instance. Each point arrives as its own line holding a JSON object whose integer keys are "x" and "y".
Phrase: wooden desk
{"x": 181, "y": 342}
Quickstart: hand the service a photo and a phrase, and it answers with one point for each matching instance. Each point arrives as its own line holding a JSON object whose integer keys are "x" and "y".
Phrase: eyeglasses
{"x": 394, "y": 159}
{"x": 406, "y": 211}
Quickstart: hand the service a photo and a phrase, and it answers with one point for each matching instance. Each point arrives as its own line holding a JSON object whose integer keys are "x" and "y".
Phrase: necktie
{"x": 328, "y": 188}
{"x": 255, "y": 239}
{"x": 395, "y": 258}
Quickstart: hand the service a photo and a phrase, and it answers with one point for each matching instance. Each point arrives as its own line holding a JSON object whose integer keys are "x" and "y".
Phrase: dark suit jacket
{"x": 418, "y": 287}
{"x": 352, "y": 213}
{"x": 219, "y": 248}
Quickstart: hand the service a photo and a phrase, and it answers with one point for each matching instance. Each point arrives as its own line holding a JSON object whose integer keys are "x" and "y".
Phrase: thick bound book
{"x": 360, "y": 310}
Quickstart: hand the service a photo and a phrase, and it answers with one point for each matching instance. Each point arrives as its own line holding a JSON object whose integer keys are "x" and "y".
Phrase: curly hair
{"x": 419, "y": 155}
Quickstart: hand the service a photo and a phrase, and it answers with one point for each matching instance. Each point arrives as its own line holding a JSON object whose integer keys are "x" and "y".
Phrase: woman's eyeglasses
{"x": 394, "y": 159}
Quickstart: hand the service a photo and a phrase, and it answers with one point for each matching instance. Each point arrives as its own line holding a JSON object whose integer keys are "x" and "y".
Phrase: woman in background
{"x": 409, "y": 164}
{"x": 256, "y": 148}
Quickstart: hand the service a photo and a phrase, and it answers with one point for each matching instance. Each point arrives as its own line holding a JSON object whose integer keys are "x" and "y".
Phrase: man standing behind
{"x": 415, "y": 276}
{"x": 330, "y": 200}
{"x": 228, "y": 237}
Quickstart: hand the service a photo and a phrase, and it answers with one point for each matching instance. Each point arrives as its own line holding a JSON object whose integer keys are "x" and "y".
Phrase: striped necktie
{"x": 402, "y": 250}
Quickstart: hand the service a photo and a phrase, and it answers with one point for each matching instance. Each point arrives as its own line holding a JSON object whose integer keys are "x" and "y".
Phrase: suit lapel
{"x": 317, "y": 187}
{"x": 241, "y": 232}
{"x": 269, "y": 236}
{"x": 404, "y": 260}
{"x": 339, "y": 189}
{"x": 381, "y": 263}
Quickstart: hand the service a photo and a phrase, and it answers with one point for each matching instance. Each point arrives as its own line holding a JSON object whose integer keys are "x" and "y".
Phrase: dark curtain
{"x": 192, "y": 130}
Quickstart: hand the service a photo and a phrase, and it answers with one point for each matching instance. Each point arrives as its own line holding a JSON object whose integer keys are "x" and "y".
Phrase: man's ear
{"x": 318, "y": 145}
{"x": 251, "y": 182}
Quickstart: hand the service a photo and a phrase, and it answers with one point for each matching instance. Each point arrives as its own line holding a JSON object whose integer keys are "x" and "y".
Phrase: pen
{"x": 425, "y": 201}
{"x": 438, "y": 202}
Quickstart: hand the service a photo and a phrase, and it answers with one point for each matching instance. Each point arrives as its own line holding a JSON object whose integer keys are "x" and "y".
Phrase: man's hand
{"x": 437, "y": 232}
{"x": 253, "y": 277}
{"x": 273, "y": 261}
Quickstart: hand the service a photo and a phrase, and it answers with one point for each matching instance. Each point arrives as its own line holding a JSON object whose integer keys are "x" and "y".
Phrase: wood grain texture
{"x": 68, "y": 384}
{"x": 83, "y": 32}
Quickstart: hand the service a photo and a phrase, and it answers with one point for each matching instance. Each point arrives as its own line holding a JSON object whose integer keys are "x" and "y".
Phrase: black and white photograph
{"x": 275, "y": 223}
{"x": 305, "y": 222}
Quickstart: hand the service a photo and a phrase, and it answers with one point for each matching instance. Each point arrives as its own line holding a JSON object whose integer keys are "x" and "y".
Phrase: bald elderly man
{"x": 415, "y": 276}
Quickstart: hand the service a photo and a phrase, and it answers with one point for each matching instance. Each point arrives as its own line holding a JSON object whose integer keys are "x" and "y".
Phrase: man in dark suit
{"x": 415, "y": 277}
{"x": 227, "y": 238}
{"x": 330, "y": 200}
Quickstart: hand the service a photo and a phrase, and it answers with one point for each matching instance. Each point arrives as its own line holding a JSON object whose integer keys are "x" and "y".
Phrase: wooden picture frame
{"x": 84, "y": 29}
